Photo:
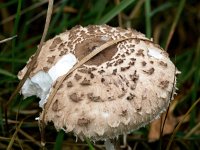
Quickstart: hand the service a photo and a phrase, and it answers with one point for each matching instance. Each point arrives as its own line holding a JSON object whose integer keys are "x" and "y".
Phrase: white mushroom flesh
{"x": 41, "y": 83}
{"x": 155, "y": 53}
{"x": 62, "y": 66}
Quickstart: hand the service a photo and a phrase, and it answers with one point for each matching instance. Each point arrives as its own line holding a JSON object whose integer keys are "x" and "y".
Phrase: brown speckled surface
{"x": 117, "y": 91}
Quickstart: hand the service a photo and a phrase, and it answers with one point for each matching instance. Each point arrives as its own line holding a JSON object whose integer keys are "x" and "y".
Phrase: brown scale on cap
{"x": 61, "y": 46}
{"x": 45, "y": 69}
{"x": 144, "y": 63}
{"x": 131, "y": 63}
{"x": 130, "y": 97}
{"x": 164, "y": 84}
{"x": 128, "y": 53}
{"x": 102, "y": 80}
{"x": 77, "y": 77}
{"x": 110, "y": 98}
{"x": 125, "y": 68}
{"x": 62, "y": 53}
{"x": 123, "y": 55}
{"x": 133, "y": 59}
{"x": 116, "y": 57}
{"x": 150, "y": 71}
{"x": 56, "y": 106}
{"x": 108, "y": 65}
{"x": 101, "y": 71}
{"x": 137, "y": 41}
{"x": 140, "y": 53}
{"x": 51, "y": 59}
{"x": 92, "y": 69}
{"x": 83, "y": 122}
{"x": 114, "y": 72}
{"x": 74, "y": 97}
{"x": 124, "y": 113}
{"x": 138, "y": 108}
{"x": 83, "y": 70}
{"x": 55, "y": 42}
{"x": 91, "y": 75}
{"x": 94, "y": 98}
{"x": 51, "y": 50}
{"x": 134, "y": 77}
{"x": 163, "y": 64}
{"x": 113, "y": 82}
{"x": 69, "y": 84}
{"x": 85, "y": 82}
{"x": 118, "y": 62}
{"x": 151, "y": 62}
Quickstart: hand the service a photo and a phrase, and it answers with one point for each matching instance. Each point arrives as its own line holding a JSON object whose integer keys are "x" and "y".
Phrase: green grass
{"x": 59, "y": 140}
{"x": 148, "y": 18}
{"x": 172, "y": 24}
{"x": 114, "y": 11}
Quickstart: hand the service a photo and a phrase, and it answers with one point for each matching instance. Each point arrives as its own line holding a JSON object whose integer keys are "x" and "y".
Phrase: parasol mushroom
{"x": 119, "y": 90}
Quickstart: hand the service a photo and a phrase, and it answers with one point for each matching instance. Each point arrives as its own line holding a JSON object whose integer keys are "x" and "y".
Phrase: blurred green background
{"x": 174, "y": 24}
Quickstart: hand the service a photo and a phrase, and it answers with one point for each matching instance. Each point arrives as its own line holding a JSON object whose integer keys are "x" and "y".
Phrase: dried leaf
{"x": 170, "y": 123}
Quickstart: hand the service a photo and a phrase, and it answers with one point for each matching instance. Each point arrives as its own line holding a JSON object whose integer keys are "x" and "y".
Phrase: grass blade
{"x": 101, "y": 5}
{"x": 161, "y": 8}
{"x": 148, "y": 18}
{"x": 116, "y": 10}
{"x": 8, "y": 74}
{"x": 89, "y": 144}
{"x": 2, "y": 5}
{"x": 59, "y": 140}
{"x": 10, "y": 60}
{"x": 171, "y": 32}
{"x": 15, "y": 31}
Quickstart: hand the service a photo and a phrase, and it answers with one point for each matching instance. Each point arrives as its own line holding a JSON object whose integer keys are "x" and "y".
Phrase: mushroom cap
{"x": 122, "y": 88}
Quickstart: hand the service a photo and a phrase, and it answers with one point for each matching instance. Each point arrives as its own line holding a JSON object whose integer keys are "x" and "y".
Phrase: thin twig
{"x": 119, "y": 15}
{"x": 14, "y": 136}
{"x": 136, "y": 9}
{"x": 193, "y": 130}
{"x": 30, "y": 138}
{"x": 33, "y": 62}
{"x": 162, "y": 125}
{"x": 42, "y": 13}
{"x": 179, "y": 124}
{"x": 10, "y": 18}
{"x": 8, "y": 39}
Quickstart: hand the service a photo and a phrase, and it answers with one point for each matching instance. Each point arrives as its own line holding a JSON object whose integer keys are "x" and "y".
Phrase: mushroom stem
{"x": 112, "y": 144}
{"x": 124, "y": 140}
